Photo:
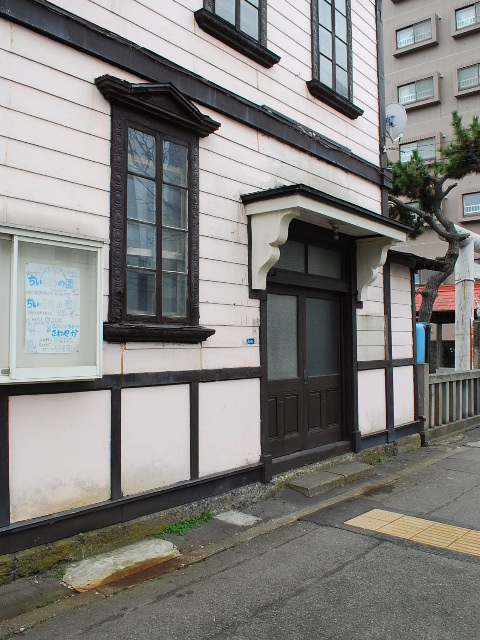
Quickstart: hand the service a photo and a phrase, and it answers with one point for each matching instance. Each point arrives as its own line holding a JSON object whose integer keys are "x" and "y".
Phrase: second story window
{"x": 332, "y": 55}
{"x": 471, "y": 204}
{"x": 425, "y": 149}
{"x": 414, "y": 34}
{"x": 468, "y": 77}
{"x": 243, "y": 14}
{"x": 416, "y": 91}
{"x": 467, "y": 16}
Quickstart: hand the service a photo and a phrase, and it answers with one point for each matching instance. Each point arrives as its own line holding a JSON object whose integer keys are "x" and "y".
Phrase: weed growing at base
{"x": 184, "y": 526}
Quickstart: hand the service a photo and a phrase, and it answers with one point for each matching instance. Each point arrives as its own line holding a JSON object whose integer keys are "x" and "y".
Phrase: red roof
{"x": 446, "y": 297}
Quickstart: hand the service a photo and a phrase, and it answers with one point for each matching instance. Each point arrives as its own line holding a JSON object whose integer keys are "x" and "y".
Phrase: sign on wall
{"x": 52, "y": 309}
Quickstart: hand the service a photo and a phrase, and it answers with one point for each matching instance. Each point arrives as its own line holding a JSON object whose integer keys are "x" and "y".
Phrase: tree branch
{"x": 429, "y": 219}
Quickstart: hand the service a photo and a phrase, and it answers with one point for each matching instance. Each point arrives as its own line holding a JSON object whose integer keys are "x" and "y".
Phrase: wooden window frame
{"x": 255, "y": 49}
{"x": 321, "y": 91}
{"x": 167, "y": 112}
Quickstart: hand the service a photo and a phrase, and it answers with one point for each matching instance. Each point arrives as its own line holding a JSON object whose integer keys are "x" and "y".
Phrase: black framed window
{"x": 332, "y": 56}
{"x": 154, "y": 213}
{"x": 241, "y": 24}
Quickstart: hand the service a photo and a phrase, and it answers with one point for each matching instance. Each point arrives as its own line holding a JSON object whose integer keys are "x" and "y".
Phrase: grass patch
{"x": 184, "y": 526}
{"x": 59, "y": 574}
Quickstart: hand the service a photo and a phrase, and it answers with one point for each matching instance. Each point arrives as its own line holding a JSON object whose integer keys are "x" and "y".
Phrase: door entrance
{"x": 304, "y": 369}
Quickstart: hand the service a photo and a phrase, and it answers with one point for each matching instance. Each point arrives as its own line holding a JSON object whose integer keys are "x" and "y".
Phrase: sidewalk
{"x": 36, "y": 599}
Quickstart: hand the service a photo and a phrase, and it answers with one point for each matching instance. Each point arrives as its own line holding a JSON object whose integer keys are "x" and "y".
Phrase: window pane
{"x": 406, "y": 94}
{"x": 5, "y": 252}
{"x": 324, "y": 262}
{"x": 175, "y": 207}
{"x": 471, "y": 204}
{"x": 321, "y": 337}
{"x": 282, "y": 337}
{"x": 465, "y": 17}
{"x": 174, "y": 251}
{"x": 423, "y": 31}
{"x": 426, "y": 149}
{"x": 249, "y": 19}
{"x": 140, "y": 292}
{"x": 226, "y": 10}
{"x": 468, "y": 77}
{"x": 406, "y": 151}
{"x": 174, "y": 295}
{"x": 325, "y": 14}
{"x": 341, "y": 79}
{"x": 141, "y": 153}
{"x": 341, "y": 53}
{"x": 140, "y": 199}
{"x": 175, "y": 163}
{"x": 404, "y": 37}
{"x": 141, "y": 240}
{"x": 325, "y": 71}
{"x": 477, "y": 11}
{"x": 341, "y": 6}
{"x": 340, "y": 26}
{"x": 292, "y": 256}
{"x": 424, "y": 89}
{"x": 325, "y": 42}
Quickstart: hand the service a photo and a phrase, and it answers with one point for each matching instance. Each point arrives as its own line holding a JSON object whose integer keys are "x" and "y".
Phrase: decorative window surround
{"x": 159, "y": 110}
{"x": 227, "y": 33}
{"x": 467, "y": 30}
{"x": 423, "y": 44}
{"x": 271, "y": 212}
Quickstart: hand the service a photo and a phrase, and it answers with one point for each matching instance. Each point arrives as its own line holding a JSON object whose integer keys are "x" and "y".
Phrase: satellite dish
{"x": 396, "y": 120}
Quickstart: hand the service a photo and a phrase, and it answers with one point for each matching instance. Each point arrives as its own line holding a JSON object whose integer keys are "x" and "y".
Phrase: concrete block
{"x": 238, "y": 518}
{"x": 353, "y": 471}
{"x": 316, "y": 483}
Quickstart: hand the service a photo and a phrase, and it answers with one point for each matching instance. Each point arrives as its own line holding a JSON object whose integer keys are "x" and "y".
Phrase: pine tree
{"x": 419, "y": 190}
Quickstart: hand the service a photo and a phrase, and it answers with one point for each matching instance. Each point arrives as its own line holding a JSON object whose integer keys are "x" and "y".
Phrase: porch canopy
{"x": 272, "y": 210}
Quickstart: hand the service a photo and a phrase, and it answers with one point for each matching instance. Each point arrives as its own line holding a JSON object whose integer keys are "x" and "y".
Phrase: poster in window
{"x": 52, "y": 308}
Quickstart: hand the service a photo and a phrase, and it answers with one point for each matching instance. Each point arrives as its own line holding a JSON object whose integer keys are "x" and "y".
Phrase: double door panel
{"x": 304, "y": 370}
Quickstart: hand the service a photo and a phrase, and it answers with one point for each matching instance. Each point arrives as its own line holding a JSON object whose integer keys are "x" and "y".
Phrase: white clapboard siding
{"x": 371, "y": 323}
{"x": 245, "y": 356}
{"x": 222, "y": 293}
{"x": 213, "y": 227}
{"x": 216, "y": 271}
{"x": 213, "y": 315}
{"x": 402, "y": 343}
{"x": 223, "y": 250}
{"x": 227, "y": 337}
{"x": 170, "y": 26}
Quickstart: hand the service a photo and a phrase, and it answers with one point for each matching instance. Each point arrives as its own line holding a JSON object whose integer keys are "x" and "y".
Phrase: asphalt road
{"x": 315, "y": 578}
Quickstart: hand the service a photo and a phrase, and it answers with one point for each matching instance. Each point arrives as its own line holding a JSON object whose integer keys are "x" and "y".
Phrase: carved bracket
{"x": 371, "y": 255}
{"x": 269, "y": 231}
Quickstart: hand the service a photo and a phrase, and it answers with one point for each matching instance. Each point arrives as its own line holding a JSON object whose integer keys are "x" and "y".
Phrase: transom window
{"x": 468, "y": 77}
{"x": 157, "y": 226}
{"x": 425, "y": 149}
{"x": 471, "y": 204}
{"x": 416, "y": 91}
{"x": 333, "y": 45}
{"x": 243, "y": 14}
{"x": 413, "y": 35}
{"x": 467, "y": 16}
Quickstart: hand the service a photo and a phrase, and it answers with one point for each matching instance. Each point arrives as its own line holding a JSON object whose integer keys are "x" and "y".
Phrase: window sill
{"x": 466, "y": 31}
{"x": 224, "y": 31}
{"x": 414, "y": 47}
{"x": 421, "y": 103}
{"x": 334, "y": 100}
{"x": 132, "y": 332}
{"x": 463, "y": 93}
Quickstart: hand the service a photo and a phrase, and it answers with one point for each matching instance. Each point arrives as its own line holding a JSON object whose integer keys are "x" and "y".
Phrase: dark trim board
{"x": 309, "y": 456}
{"x": 70, "y": 30}
{"x": 383, "y": 437}
{"x": 4, "y": 464}
{"x": 49, "y": 529}
{"x": 116, "y": 444}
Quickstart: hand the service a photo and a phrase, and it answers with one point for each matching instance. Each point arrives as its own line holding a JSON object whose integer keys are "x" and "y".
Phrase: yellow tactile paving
{"x": 434, "y": 534}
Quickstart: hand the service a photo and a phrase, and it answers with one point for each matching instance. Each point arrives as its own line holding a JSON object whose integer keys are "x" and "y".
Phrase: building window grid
{"x": 468, "y": 77}
{"x": 333, "y": 67}
{"x": 467, "y": 16}
{"x": 244, "y": 15}
{"x": 416, "y": 91}
{"x": 414, "y": 34}
{"x": 425, "y": 149}
{"x": 471, "y": 204}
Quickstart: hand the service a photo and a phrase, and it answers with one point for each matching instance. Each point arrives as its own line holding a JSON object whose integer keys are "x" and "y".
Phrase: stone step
{"x": 114, "y": 565}
{"x": 315, "y": 483}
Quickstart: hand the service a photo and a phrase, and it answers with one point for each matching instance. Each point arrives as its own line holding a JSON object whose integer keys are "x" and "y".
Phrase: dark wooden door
{"x": 304, "y": 369}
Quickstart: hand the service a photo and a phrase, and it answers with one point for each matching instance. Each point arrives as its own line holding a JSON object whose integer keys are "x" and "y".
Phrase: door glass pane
{"x": 140, "y": 292}
{"x": 141, "y": 153}
{"x": 321, "y": 337}
{"x": 324, "y": 262}
{"x": 292, "y": 256}
{"x": 282, "y": 337}
{"x": 141, "y": 199}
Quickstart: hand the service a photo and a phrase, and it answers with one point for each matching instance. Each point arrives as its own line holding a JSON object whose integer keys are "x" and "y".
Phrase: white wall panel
{"x": 403, "y": 395}
{"x": 371, "y": 323}
{"x": 372, "y": 415}
{"x": 59, "y": 452}
{"x": 155, "y": 437}
{"x": 402, "y": 330}
{"x": 229, "y": 425}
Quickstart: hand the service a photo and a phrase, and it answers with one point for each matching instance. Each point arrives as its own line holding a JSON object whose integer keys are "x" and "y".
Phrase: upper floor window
{"x": 332, "y": 55}
{"x": 241, "y": 24}
{"x": 467, "y": 16}
{"x": 416, "y": 91}
{"x": 468, "y": 77}
{"x": 425, "y": 149}
{"x": 414, "y": 34}
{"x": 471, "y": 204}
{"x": 154, "y": 213}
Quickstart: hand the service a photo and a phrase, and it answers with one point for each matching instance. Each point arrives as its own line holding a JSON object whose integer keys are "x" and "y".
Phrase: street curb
{"x": 25, "y": 621}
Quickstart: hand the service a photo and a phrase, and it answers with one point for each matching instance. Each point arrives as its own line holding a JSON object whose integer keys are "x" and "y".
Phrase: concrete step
{"x": 315, "y": 483}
